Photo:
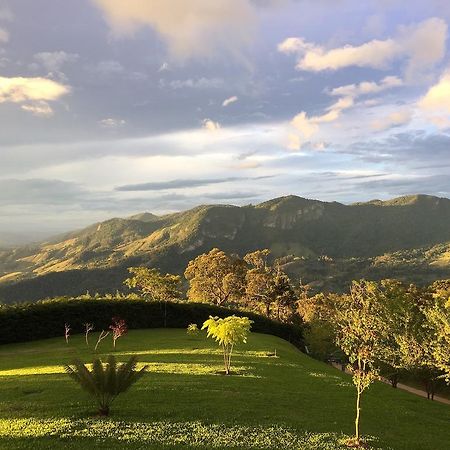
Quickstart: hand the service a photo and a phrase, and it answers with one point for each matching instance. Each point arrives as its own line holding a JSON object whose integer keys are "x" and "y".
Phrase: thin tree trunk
{"x": 229, "y": 358}
{"x": 225, "y": 358}
{"x": 358, "y": 410}
{"x": 358, "y": 403}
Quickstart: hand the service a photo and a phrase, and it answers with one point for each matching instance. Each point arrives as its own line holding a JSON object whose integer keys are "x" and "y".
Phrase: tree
{"x": 228, "y": 332}
{"x": 67, "y": 332}
{"x": 118, "y": 328}
{"x": 409, "y": 344}
{"x": 268, "y": 287}
{"x": 215, "y": 277}
{"x": 88, "y": 327}
{"x": 438, "y": 322}
{"x": 105, "y": 381}
{"x": 285, "y": 296}
{"x": 192, "y": 329}
{"x": 101, "y": 336}
{"x": 154, "y": 285}
{"x": 360, "y": 332}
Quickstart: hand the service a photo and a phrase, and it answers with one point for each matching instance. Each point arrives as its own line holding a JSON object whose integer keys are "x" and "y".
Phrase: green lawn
{"x": 290, "y": 401}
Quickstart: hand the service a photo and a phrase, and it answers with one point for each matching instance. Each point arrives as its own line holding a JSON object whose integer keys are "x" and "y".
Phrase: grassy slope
{"x": 184, "y": 398}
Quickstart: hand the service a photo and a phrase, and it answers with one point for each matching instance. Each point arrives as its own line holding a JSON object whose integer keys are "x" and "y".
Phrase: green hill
{"x": 354, "y": 236}
{"x": 288, "y": 401}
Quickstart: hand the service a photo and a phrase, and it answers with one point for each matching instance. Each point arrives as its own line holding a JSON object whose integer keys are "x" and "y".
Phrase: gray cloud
{"x": 38, "y": 191}
{"x": 181, "y": 184}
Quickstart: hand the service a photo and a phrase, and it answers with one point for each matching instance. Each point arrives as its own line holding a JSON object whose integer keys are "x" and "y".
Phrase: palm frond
{"x": 105, "y": 381}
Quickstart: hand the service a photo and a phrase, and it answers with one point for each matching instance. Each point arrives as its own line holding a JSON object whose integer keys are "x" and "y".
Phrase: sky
{"x": 109, "y": 108}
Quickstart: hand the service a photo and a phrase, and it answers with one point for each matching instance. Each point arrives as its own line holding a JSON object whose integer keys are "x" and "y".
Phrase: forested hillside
{"x": 327, "y": 244}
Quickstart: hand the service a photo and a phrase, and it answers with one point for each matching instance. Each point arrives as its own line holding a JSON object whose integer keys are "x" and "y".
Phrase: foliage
{"x": 154, "y": 285}
{"x": 119, "y": 328}
{"x": 439, "y": 323}
{"x": 414, "y": 245}
{"x": 215, "y": 277}
{"x": 268, "y": 287}
{"x": 105, "y": 381}
{"x": 30, "y": 321}
{"x": 360, "y": 333}
{"x": 228, "y": 332}
{"x": 192, "y": 329}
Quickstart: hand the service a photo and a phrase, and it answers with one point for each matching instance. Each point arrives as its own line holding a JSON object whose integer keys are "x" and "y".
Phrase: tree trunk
{"x": 358, "y": 411}
{"x": 104, "y": 410}
{"x": 394, "y": 380}
{"x": 225, "y": 360}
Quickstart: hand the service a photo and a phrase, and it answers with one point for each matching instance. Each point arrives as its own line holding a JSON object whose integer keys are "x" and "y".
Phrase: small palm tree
{"x": 105, "y": 381}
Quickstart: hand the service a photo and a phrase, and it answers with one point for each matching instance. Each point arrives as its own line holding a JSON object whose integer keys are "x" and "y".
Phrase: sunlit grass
{"x": 185, "y": 401}
{"x": 192, "y": 434}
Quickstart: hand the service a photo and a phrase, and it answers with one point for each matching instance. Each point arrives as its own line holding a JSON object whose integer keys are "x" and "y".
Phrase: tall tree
{"x": 215, "y": 277}
{"x": 409, "y": 344}
{"x": 360, "y": 333}
{"x": 267, "y": 287}
{"x": 438, "y": 322}
{"x": 153, "y": 284}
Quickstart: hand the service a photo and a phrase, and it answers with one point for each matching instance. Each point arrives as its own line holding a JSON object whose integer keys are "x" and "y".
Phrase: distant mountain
{"x": 357, "y": 239}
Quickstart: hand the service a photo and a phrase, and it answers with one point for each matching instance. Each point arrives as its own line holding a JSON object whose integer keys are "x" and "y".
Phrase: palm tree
{"x": 105, "y": 381}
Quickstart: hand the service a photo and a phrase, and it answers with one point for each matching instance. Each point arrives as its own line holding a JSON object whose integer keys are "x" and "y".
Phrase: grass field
{"x": 288, "y": 401}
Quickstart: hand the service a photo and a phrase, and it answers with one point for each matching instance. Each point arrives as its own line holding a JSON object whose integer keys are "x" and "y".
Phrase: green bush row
{"x": 29, "y": 321}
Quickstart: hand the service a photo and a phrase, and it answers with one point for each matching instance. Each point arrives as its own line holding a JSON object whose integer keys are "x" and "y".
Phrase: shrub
{"x": 105, "y": 381}
{"x": 192, "y": 329}
{"x": 228, "y": 332}
{"x": 29, "y": 321}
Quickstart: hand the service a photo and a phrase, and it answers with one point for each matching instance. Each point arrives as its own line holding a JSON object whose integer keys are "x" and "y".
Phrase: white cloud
{"x": 438, "y": 96}
{"x": 210, "y": 125}
{"x": 197, "y": 83}
{"x": 367, "y": 87}
{"x": 164, "y": 67}
{"x": 421, "y": 45}
{"x": 305, "y": 127}
{"x": 53, "y": 61}
{"x": 230, "y": 100}
{"x": 435, "y": 104}
{"x": 21, "y": 89}
{"x": 293, "y": 142}
{"x": 394, "y": 119}
{"x": 195, "y": 28}
{"x": 110, "y": 122}
{"x": 4, "y": 36}
{"x": 39, "y": 109}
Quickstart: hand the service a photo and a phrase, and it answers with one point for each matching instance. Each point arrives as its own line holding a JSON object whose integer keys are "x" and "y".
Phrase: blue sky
{"x": 108, "y": 108}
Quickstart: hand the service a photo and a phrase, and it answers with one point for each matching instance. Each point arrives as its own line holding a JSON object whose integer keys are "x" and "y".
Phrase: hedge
{"x": 30, "y": 321}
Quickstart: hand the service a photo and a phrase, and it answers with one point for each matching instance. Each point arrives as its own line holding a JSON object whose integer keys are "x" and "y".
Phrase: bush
{"x": 30, "y": 321}
{"x": 104, "y": 382}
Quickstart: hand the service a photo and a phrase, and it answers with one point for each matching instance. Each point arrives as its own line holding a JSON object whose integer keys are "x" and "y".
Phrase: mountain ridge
{"x": 289, "y": 226}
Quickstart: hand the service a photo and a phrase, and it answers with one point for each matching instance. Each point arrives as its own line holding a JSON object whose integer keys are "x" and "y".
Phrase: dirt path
{"x": 405, "y": 387}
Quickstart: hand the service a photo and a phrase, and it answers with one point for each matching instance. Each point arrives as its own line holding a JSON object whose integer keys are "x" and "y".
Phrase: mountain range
{"x": 326, "y": 244}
